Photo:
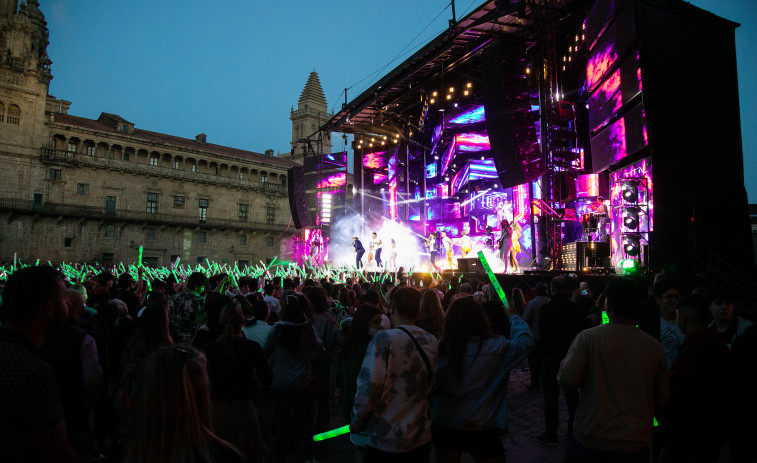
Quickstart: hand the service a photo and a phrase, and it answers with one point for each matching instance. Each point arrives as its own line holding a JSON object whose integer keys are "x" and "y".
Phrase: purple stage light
{"x": 374, "y": 160}
{"x": 473, "y": 142}
{"x": 333, "y": 181}
{"x": 470, "y": 117}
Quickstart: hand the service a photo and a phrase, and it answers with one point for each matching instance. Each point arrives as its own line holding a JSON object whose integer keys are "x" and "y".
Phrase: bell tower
{"x": 310, "y": 115}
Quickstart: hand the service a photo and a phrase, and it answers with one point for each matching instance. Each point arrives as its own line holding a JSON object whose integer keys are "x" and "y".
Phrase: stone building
{"x": 77, "y": 189}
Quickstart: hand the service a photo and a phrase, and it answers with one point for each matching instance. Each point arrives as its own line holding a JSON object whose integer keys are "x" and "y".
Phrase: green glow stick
{"x": 37, "y": 264}
{"x": 606, "y": 320}
{"x": 139, "y": 257}
{"x": 493, "y": 278}
{"x": 176, "y": 264}
{"x": 333, "y": 433}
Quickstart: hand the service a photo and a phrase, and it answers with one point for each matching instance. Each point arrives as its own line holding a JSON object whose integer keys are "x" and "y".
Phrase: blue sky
{"x": 233, "y": 69}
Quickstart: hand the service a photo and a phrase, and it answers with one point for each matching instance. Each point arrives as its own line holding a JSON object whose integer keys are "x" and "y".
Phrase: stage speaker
{"x": 509, "y": 120}
{"x": 470, "y": 265}
{"x": 298, "y": 204}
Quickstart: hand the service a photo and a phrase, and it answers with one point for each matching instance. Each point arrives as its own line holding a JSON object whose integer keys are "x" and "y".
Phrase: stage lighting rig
{"x": 630, "y": 191}
{"x": 631, "y": 218}
{"x": 631, "y": 245}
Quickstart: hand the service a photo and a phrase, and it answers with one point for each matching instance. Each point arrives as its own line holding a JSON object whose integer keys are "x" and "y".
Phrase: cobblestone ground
{"x": 525, "y": 418}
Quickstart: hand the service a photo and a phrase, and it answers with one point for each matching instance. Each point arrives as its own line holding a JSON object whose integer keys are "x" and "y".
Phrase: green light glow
{"x": 493, "y": 278}
{"x": 333, "y": 433}
{"x": 605, "y": 318}
{"x": 139, "y": 257}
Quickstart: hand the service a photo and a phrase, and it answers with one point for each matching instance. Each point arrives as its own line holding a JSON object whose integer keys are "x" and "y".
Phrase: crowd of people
{"x": 220, "y": 369}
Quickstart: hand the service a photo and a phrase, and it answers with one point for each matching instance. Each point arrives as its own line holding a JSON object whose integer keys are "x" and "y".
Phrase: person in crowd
{"x": 188, "y": 307}
{"x": 694, "y": 421}
{"x": 73, "y": 355}
{"x": 171, "y": 416}
{"x": 288, "y": 350}
{"x": 233, "y": 363}
{"x": 667, "y": 294}
{"x": 729, "y": 326}
{"x": 620, "y": 371}
{"x": 105, "y": 281}
{"x": 395, "y": 380}
{"x": 257, "y": 328}
{"x": 211, "y": 327}
{"x": 124, "y": 291}
{"x": 531, "y": 316}
{"x": 112, "y": 331}
{"x": 32, "y": 421}
{"x": 560, "y": 321}
{"x": 365, "y": 324}
{"x": 151, "y": 332}
{"x": 325, "y": 355}
{"x": 86, "y": 320}
{"x": 519, "y": 302}
{"x": 743, "y": 383}
{"x": 494, "y": 308}
{"x": 469, "y": 412}
{"x": 432, "y": 315}
{"x": 272, "y": 295}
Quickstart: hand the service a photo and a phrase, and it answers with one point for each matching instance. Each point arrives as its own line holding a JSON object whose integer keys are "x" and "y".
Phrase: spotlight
{"x": 631, "y": 218}
{"x": 630, "y": 191}
{"x": 631, "y": 245}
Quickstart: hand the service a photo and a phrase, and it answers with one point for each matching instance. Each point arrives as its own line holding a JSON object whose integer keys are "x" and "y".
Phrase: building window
{"x": 110, "y": 205}
{"x": 240, "y": 175}
{"x": 153, "y": 160}
{"x": 264, "y": 178}
{"x": 107, "y": 258}
{"x": 67, "y": 242}
{"x": 243, "y": 212}
{"x": 151, "y": 262}
{"x": 243, "y": 240}
{"x": 152, "y": 203}
{"x": 178, "y": 201}
{"x": 201, "y": 259}
{"x": 270, "y": 213}
{"x": 110, "y": 231}
{"x": 71, "y": 147}
{"x": 203, "y": 206}
{"x": 125, "y": 156}
{"x": 283, "y": 181}
{"x": 244, "y": 263}
{"x": 54, "y": 174}
{"x": 14, "y": 114}
{"x": 269, "y": 241}
{"x": 202, "y": 237}
{"x": 82, "y": 188}
{"x": 176, "y": 164}
{"x": 90, "y": 150}
{"x": 194, "y": 167}
{"x": 149, "y": 234}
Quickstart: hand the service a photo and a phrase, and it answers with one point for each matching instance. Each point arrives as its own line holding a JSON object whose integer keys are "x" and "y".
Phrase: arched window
{"x": 14, "y": 114}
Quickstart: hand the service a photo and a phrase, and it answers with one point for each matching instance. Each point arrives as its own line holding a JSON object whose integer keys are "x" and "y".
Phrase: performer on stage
{"x": 315, "y": 248}
{"x": 465, "y": 244}
{"x": 359, "y": 251}
{"x": 505, "y": 242}
{"x": 377, "y": 244}
{"x": 599, "y": 208}
{"x": 371, "y": 247}
{"x": 515, "y": 245}
{"x": 448, "y": 248}
{"x": 393, "y": 256}
{"x": 432, "y": 248}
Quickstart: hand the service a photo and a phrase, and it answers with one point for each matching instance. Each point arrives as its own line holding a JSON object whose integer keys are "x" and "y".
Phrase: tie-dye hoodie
{"x": 392, "y": 390}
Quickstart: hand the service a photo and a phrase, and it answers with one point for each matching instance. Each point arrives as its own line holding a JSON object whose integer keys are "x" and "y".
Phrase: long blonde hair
{"x": 432, "y": 315}
{"x": 170, "y": 419}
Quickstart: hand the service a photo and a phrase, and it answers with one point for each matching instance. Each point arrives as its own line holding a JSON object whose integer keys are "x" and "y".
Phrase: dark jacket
{"x": 560, "y": 321}
{"x": 699, "y": 407}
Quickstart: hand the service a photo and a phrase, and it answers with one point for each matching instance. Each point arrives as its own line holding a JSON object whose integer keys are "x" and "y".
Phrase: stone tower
{"x": 310, "y": 115}
{"x": 24, "y": 76}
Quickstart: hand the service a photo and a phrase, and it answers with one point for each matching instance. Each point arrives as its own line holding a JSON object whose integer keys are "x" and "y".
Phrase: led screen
{"x": 471, "y": 116}
{"x": 374, "y": 160}
{"x": 335, "y": 180}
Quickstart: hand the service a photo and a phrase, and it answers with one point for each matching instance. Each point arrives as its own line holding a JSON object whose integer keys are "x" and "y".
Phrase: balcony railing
{"x": 70, "y": 157}
{"x": 125, "y": 215}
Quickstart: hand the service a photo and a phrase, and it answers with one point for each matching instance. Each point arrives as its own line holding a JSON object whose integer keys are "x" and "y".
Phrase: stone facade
{"x": 77, "y": 189}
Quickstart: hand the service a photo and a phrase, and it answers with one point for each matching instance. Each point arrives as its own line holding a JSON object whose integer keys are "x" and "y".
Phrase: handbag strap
{"x": 423, "y": 355}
